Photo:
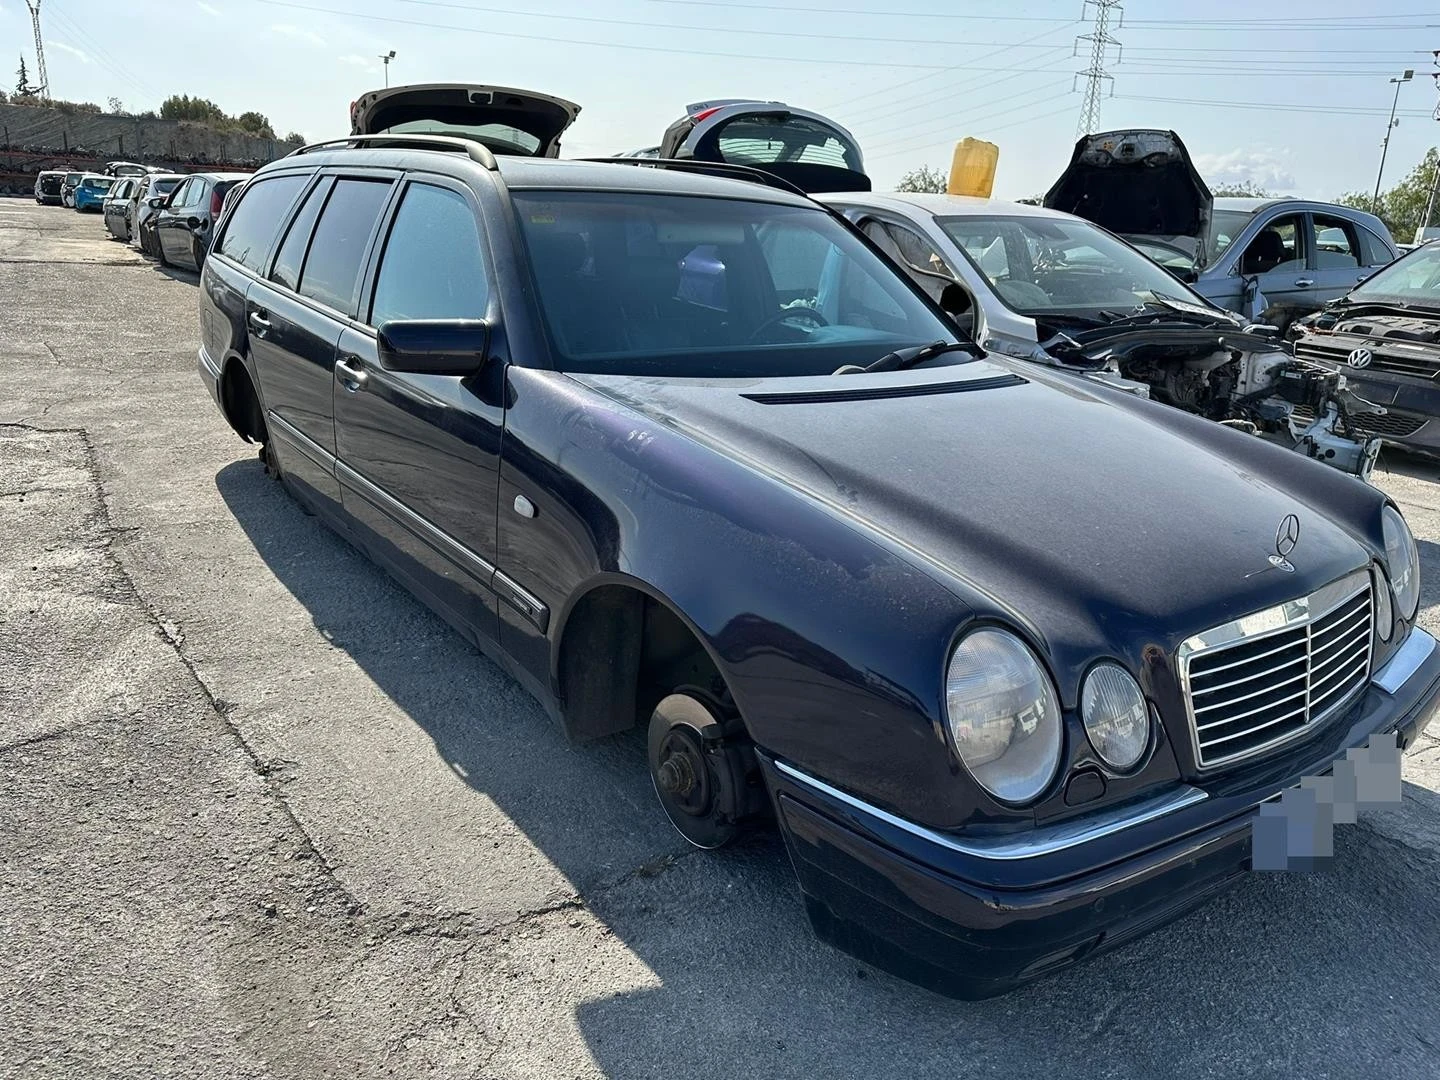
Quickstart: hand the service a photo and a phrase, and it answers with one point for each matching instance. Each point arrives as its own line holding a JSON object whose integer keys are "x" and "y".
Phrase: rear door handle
{"x": 259, "y": 322}
{"x": 350, "y": 374}
{"x": 1304, "y": 282}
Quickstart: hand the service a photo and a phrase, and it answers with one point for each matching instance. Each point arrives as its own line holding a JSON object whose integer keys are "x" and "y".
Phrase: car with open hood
{"x": 1385, "y": 336}
{"x": 808, "y": 150}
{"x": 1270, "y": 259}
{"x": 502, "y": 119}
{"x": 1055, "y": 289}
{"x": 49, "y": 186}
{"x": 1011, "y": 657}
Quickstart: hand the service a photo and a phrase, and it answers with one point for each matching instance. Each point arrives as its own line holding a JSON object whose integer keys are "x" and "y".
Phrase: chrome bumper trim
{"x": 1406, "y": 661}
{"x": 1044, "y": 840}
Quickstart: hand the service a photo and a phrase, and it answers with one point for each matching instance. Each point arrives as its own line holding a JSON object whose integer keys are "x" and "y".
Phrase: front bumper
{"x": 1412, "y": 419}
{"x": 977, "y": 917}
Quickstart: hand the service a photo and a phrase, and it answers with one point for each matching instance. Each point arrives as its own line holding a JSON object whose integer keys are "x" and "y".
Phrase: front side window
{"x": 332, "y": 265}
{"x": 432, "y": 267}
{"x": 1413, "y": 279}
{"x": 1040, "y": 265}
{"x": 675, "y": 285}
{"x": 1278, "y": 246}
{"x": 1225, "y": 226}
{"x": 251, "y": 227}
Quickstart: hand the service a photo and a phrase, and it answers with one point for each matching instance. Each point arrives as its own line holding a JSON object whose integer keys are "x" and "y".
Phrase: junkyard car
{"x": 67, "y": 189}
{"x": 1385, "y": 336}
{"x": 118, "y": 206}
{"x": 687, "y": 452}
{"x": 92, "y": 191}
{"x": 126, "y": 168}
{"x": 1270, "y": 259}
{"x": 151, "y": 194}
{"x": 184, "y": 222}
{"x": 1049, "y": 287}
{"x": 49, "y": 185}
{"x": 804, "y": 148}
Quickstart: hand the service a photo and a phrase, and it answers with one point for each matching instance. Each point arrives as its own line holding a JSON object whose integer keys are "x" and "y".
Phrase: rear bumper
{"x": 210, "y": 376}
{"x": 976, "y": 917}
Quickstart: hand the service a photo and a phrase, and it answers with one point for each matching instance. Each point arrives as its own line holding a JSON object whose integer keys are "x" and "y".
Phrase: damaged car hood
{"x": 1032, "y": 486}
{"x": 1137, "y": 183}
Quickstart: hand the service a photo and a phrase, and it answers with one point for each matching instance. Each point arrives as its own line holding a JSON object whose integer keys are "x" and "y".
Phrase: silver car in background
{"x": 153, "y": 186}
{"x": 119, "y": 207}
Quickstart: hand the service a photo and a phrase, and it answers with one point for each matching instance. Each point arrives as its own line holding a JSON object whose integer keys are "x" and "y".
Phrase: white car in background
{"x": 1053, "y": 288}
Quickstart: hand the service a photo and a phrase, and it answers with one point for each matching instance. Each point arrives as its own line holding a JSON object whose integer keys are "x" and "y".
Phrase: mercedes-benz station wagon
{"x": 679, "y": 448}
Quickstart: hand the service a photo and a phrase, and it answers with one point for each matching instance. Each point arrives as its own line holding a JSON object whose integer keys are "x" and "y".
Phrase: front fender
{"x": 831, "y": 641}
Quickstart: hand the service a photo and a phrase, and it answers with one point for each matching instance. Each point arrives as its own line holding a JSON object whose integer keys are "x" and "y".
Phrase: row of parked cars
{"x": 855, "y": 502}
{"x": 168, "y": 216}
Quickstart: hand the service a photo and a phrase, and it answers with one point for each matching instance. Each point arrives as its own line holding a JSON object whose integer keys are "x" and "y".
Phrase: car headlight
{"x": 1404, "y": 562}
{"x": 1115, "y": 715}
{"x": 1004, "y": 715}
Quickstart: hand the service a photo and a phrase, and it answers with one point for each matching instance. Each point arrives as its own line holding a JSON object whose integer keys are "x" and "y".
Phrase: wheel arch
{"x": 615, "y": 633}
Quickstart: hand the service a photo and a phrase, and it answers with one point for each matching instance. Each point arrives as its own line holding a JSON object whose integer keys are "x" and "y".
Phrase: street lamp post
{"x": 1385, "y": 146}
{"x": 385, "y": 59}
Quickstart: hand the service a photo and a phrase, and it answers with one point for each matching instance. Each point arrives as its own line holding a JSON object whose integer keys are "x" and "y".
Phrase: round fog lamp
{"x": 1116, "y": 719}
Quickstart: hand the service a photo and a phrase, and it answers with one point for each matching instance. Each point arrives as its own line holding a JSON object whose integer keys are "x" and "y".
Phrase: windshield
{"x": 1225, "y": 226}
{"x": 681, "y": 286}
{"x": 1053, "y": 266}
{"x": 73, "y": 178}
{"x": 760, "y": 139}
{"x": 498, "y": 137}
{"x": 1415, "y": 279}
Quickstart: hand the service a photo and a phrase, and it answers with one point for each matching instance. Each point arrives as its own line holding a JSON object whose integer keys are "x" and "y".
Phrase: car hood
{"x": 1138, "y": 183}
{"x": 1085, "y": 514}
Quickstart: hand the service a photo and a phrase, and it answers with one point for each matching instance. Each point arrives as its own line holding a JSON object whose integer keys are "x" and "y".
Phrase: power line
{"x": 666, "y": 49}
{"x": 101, "y": 54}
{"x": 1347, "y": 110}
{"x": 987, "y": 131}
{"x": 952, "y": 122}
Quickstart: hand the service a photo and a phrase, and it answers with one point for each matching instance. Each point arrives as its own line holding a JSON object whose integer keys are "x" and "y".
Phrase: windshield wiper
{"x": 901, "y": 359}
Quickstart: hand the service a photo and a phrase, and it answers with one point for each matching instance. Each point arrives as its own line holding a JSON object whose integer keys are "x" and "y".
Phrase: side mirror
{"x": 434, "y": 346}
{"x": 156, "y": 201}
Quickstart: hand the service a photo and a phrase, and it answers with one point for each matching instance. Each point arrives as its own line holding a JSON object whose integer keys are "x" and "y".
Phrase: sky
{"x": 1291, "y": 96}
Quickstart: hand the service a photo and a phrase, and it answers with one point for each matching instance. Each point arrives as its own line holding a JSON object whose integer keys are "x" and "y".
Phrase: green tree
{"x": 1402, "y": 207}
{"x": 184, "y": 107}
{"x": 924, "y": 179}
{"x": 294, "y": 137}
{"x": 1245, "y": 189}
{"x": 254, "y": 123}
{"x": 22, "y": 84}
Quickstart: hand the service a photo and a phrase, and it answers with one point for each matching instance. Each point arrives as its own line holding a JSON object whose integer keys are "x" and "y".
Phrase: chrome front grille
{"x": 1263, "y": 679}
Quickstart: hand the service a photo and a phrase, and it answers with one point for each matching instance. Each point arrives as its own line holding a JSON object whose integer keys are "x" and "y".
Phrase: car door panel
{"x": 419, "y": 454}
{"x": 292, "y": 346}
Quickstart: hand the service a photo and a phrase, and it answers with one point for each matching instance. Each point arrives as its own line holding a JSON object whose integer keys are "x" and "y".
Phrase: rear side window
{"x": 332, "y": 266}
{"x": 262, "y": 205}
{"x": 432, "y": 267}
{"x": 292, "y": 250}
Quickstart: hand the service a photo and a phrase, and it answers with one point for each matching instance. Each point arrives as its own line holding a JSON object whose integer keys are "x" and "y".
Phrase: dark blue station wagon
{"x": 685, "y": 451}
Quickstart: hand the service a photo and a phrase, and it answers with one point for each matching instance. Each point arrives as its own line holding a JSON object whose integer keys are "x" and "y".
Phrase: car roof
{"x": 945, "y": 205}
{"x": 548, "y": 173}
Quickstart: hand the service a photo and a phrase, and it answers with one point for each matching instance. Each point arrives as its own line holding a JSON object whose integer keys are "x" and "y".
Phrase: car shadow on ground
{"x": 175, "y": 273}
{"x": 1297, "y": 970}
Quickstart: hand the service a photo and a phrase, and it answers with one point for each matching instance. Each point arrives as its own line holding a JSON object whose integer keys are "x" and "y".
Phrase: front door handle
{"x": 350, "y": 374}
{"x": 1304, "y": 282}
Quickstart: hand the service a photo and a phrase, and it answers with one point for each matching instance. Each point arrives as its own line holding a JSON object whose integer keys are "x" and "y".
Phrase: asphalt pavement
{"x": 263, "y": 815}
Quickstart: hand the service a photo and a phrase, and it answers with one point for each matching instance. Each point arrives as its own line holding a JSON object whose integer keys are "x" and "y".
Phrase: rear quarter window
{"x": 256, "y": 218}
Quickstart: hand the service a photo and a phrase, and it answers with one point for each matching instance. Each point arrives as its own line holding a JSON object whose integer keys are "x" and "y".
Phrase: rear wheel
{"x": 703, "y": 768}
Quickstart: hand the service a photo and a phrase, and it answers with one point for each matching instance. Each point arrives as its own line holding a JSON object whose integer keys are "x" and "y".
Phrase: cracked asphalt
{"x": 262, "y": 815}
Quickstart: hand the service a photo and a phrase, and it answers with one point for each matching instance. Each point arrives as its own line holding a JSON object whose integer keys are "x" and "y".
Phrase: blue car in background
{"x": 91, "y": 192}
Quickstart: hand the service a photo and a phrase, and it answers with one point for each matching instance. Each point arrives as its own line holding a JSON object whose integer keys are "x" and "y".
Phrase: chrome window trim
{"x": 1045, "y": 840}
{"x": 1405, "y": 662}
{"x": 1288, "y": 615}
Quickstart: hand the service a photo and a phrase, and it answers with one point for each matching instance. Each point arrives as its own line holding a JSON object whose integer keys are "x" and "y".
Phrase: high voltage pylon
{"x": 40, "y": 72}
{"x": 1095, "y": 75}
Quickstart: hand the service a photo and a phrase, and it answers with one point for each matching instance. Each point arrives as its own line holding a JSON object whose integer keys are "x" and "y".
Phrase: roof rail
{"x": 714, "y": 168}
{"x": 478, "y": 151}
